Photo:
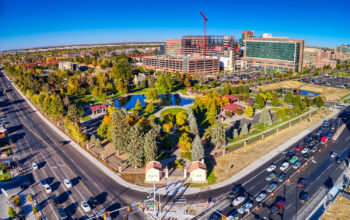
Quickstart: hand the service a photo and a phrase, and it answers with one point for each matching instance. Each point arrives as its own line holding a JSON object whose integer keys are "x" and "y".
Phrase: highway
{"x": 320, "y": 174}
{"x": 36, "y": 142}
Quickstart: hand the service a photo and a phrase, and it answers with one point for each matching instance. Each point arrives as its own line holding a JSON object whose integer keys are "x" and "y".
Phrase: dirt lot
{"x": 244, "y": 156}
{"x": 339, "y": 210}
{"x": 330, "y": 93}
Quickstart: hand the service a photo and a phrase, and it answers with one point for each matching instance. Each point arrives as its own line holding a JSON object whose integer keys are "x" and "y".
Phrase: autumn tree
{"x": 197, "y": 149}
{"x": 248, "y": 111}
{"x": 211, "y": 114}
{"x": 138, "y": 105}
{"x": 181, "y": 118}
{"x": 151, "y": 94}
{"x": 149, "y": 108}
{"x": 164, "y": 84}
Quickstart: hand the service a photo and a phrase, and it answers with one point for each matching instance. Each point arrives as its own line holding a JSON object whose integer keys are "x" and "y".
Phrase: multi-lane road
{"x": 321, "y": 172}
{"x": 36, "y": 142}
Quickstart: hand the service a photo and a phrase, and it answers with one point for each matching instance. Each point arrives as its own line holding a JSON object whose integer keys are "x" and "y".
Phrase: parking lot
{"x": 332, "y": 81}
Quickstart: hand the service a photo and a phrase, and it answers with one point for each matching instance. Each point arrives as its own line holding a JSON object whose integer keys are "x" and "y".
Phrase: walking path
{"x": 181, "y": 188}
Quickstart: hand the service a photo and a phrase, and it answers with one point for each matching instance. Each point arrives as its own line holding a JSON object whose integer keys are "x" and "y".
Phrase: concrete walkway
{"x": 181, "y": 188}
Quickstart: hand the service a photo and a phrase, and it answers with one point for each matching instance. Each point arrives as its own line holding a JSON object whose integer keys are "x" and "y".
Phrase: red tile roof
{"x": 96, "y": 107}
{"x": 232, "y": 107}
{"x": 232, "y": 98}
{"x": 154, "y": 164}
{"x": 197, "y": 165}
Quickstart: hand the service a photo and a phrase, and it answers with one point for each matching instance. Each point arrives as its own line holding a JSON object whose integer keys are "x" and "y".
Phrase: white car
{"x": 241, "y": 210}
{"x": 284, "y": 166}
{"x": 271, "y": 168}
{"x": 67, "y": 183}
{"x": 47, "y": 188}
{"x": 334, "y": 154}
{"x": 85, "y": 206}
{"x": 297, "y": 165}
{"x": 238, "y": 200}
{"x": 305, "y": 150}
{"x": 35, "y": 166}
{"x": 260, "y": 197}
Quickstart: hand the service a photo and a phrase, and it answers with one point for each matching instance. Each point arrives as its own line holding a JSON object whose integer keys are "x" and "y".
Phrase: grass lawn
{"x": 172, "y": 111}
{"x": 187, "y": 156}
{"x": 139, "y": 91}
{"x": 5, "y": 176}
{"x": 339, "y": 210}
{"x": 85, "y": 118}
{"x": 182, "y": 91}
{"x": 163, "y": 156}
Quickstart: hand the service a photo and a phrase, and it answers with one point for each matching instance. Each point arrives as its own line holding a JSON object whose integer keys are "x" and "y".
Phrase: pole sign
{"x": 5, "y": 193}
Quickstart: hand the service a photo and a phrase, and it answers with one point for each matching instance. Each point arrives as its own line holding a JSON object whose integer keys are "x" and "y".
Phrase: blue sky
{"x": 34, "y": 23}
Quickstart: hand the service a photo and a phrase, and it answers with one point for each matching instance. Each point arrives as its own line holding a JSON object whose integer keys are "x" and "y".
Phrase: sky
{"x": 37, "y": 23}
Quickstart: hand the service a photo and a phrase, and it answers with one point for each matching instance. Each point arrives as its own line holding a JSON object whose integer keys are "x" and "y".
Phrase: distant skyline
{"x": 38, "y": 23}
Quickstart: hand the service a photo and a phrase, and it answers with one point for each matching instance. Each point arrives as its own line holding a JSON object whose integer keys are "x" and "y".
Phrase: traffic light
{"x": 128, "y": 208}
{"x": 139, "y": 203}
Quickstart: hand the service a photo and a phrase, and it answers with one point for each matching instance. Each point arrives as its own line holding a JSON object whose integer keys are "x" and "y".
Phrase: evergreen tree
{"x": 138, "y": 105}
{"x": 151, "y": 144}
{"x": 218, "y": 137}
{"x": 197, "y": 149}
{"x": 235, "y": 133}
{"x": 135, "y": 147}
{"x": 244, "y": 130}
{"x": 192, "y": 122}
{"x": 93, "y": 140}
{"x": 119, "y": 130}
{"x": 265, "y": 117}
{"x": 248, "y": 111}
{"x": 98, "y": 143}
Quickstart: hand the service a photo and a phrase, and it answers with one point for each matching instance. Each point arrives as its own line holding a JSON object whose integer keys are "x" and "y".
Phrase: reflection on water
{"x": 129, "y": 102}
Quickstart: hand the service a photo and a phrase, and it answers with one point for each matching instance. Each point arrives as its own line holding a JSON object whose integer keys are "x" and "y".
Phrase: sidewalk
{"x": 173, "y": 188}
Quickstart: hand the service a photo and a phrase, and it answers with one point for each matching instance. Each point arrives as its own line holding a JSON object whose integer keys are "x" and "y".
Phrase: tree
{"x": 164, "y": 84}
{"x": 74, "y": 113}
{"x": 181, "y": 118}
{"x": 218, "y": 137}
{"x": 197, "y": 149}
{"x": 72, "y": 85}
{"x": 149, "y": 108}
{"x": 281, "y": 113}
{"x": 318, "y": 101}
{"x": 275, "y": 102}
{"x": 289, "y": 98}
{"x": 211, "y": 114}
{"x": 135, "y": 146}
{"x": 244, "y": 130}
{"x": 248, "y": 111}
{"x": 151, "y": 94}
{"x": 122, "y": 69}
{"x": 185, "y": 142}
{"x": 119, "y": 130}
{"x": 98, "y": 143}
{"x": 260, "y": 101}
{"x": 66, "y": 101}
{"x": 192, "y": 122}
{"x": 297, "y": 101}
{"x": 151, "y": 144}
{"x": 11, "y": 212}
{"x": 235, "y": 133}
{"x": 93, "y": 140}
{"x": 265, "y": 117}
{"x": 138, "y": 105}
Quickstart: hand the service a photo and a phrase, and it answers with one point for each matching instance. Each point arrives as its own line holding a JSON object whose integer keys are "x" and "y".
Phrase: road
{"x": 320, "y": 174}
{"x": 36, "y": 142}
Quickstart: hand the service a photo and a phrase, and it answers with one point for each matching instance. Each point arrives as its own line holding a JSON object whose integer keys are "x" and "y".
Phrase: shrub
{"x": 17, "y": 200}
{"x": 35, "y": 210}
{"x": 29, "y": 197}
{"x": 11, "y": 212}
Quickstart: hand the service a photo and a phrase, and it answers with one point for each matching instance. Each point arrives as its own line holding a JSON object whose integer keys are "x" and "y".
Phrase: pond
{"x": 299, "y": 92}
{"x": 129, "y": 102}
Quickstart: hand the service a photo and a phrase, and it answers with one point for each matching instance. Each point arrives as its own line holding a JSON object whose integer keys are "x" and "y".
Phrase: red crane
{"x": 205, "y": 33}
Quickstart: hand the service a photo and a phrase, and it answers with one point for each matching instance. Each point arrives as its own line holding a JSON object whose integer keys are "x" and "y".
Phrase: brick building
{"x": 173, "y": 47}
{"x": 314, "y": 57}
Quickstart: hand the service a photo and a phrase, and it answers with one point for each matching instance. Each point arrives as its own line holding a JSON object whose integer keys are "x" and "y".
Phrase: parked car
{"x": 334, "y": 154}
{"x": 92, "y": 202}
{"x": 238, "y": 200}
{"x": 47, "y": 188}
{"x": 236, "y": 191}
{"x": 67, "y": 183}
{"x": 261, "y": 196}
{"x": 245, "y": 208}
{"x": 278, "y": 207}
{"x": 270, "y": 176}
{"x": 299, "y": 148}
{"x": 272, "y": 187}
{"x": 325, "y": 123}
{"x": 302, "y": 183}
{"x": 289, "y": 155}
{"x": 35, "y": 166}
{"x": 314, "y": 149}
{"x": 271, "y": 168}
{"x": 284, "y": 166}
{"x": 305, "y": 150}
{"x": 281, "y": 177}
{"x": 43, "y": 182}
{"x": 296, "y": 165}
{"x": 232, "y": 215}
{"x": 340, "y": 159}
{"x": 324, "y": 140}
{"x": 294, "y": 159}
{"x": 306, "y": 156}
{"x": 62, "y": 214}
{"x": 85, "y": 206}
{"x": 304, "y": 196}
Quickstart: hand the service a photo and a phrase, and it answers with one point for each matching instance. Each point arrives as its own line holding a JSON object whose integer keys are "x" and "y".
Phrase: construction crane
{"x": 205, "y": 33}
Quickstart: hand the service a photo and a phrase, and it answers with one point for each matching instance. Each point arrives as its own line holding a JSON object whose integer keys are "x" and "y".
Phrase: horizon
{"x": 38, "y": 24}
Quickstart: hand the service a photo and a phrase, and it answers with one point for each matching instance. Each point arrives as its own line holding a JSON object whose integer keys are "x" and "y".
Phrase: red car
{"x": 299, "y": 148}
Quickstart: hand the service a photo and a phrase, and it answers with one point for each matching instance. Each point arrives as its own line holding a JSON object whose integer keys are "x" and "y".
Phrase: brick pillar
{"x": 262, "y": 136}
{"x": 102, "y": 157}
{"x": 185, "y": 173}
{"x": 119, "y": 169}
{"x": 245, "y": 143}
{"x": 166, "y": 172}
